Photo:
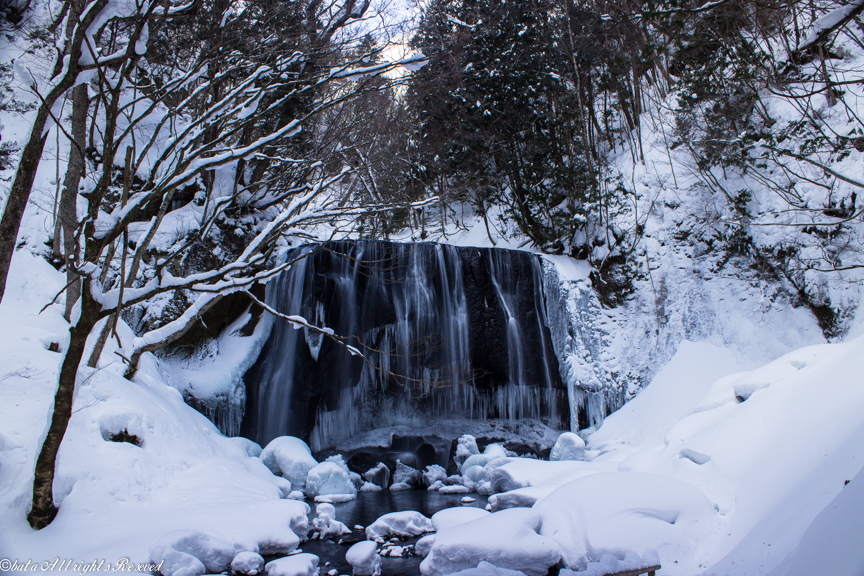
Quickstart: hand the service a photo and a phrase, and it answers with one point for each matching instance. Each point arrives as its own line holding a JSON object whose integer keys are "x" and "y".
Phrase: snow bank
{"x": 508, "y": 539}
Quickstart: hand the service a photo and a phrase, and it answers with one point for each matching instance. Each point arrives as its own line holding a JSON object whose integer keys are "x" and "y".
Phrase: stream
{"x": 368, "y": 507}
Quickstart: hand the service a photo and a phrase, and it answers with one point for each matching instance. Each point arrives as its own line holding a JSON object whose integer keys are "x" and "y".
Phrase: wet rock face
{"x": 453, "y": 332}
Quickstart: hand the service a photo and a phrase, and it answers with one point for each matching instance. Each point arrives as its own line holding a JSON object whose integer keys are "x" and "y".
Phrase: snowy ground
{"x": 745, "y": 474}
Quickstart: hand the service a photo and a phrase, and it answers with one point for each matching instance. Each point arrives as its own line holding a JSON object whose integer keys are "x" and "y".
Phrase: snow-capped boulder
{"x": 176, "y": 563}
{"x": 424, "y": 545}
{"x": 247, "y": 563}
{"x": 290, "y": 458}
{"x": 466, "y": 446}
{"x": 330, "y": 477}
{"x": 398, "y": 486}
{"x": 454, "y": 489}
{"x": 214, "y": 555}
{"x": 407, "y": 475}
{"x": 516, "y": 499}
{"x": 379, "y": 475}
{"x": 450, "y": 517}
{"x": 569, "y": 446}
{"x": 401, "y": 524}
{"x": 492, "y": 452}
{"x": 370, "y": 487}
{"x": 303, "y": 564}
{"x": 326, "y": 525}
{"x": 508, "y": 539}
{"x": 434, "y": 473}
{"x": 364, "y": 559}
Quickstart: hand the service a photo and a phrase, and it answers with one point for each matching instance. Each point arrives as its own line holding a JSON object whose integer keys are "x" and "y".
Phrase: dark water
{"x": 368, "y": 507}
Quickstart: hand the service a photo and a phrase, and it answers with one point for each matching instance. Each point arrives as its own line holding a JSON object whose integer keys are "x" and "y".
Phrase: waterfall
{"x": 445, "y": 332}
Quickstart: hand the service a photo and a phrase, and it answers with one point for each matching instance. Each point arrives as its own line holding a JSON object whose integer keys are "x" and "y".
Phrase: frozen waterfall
{"x": 447, "y": 332}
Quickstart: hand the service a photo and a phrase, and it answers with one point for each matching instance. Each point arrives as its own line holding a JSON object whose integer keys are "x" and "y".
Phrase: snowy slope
{"x": 117, "y": 498}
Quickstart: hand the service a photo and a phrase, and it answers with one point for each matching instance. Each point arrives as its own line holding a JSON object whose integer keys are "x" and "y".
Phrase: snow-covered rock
{"x": 303, "y": 564}
{"x": 364, "y": 559}
{"x": 401, "y": 524}
{"x": 214, "y": 554}
{"x": 330, "y": 477}
{"x": 289, "y": 457}
{"x": 449, "y": 517}
{"x": 514, "y": 499}
{"x": 569, "y": 446}
{"x": 434, "y": 473}
{"x": 326, "y": 525}
{"x": 370, "y": 487}
{"x": 398, "y": 486}
{"x": 247, "y": 563}
{"x": 424, "y": 545}
{"x": 253, "y": 449}
{"x": 491, "y": 452}
{"x": 509, "y": 539}
{"x": 466, "y": 446}
{"x": 454, "y": 489}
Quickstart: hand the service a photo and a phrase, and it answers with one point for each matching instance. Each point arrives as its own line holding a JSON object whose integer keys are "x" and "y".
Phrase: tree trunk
{"x": 43, "y": 509}
{"x": 68, "y": 200}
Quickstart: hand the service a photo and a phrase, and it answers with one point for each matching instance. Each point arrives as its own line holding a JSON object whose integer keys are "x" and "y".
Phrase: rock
{"x": 290, "y": 458}
{"x": 407, "y": 475}
{"x": 362, "y": 461}
{"x": 363, "y": 558}
{"x": 247, "y": 564}
{"x": 214, "y": 554}
{"x": 297, "y": 565}
{"x": 569, "y": 446}
{"x": 379, "y": 475}
{"x": 330, "y": 477}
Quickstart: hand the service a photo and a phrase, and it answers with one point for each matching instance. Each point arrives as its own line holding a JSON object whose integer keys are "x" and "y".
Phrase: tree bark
{"x": 68, "y": 214}
{"x": 43, "y": 509}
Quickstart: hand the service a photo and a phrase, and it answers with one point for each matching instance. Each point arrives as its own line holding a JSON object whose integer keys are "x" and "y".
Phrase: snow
{"x": 326, "y": 525}
{"x": 379, "y": 475}
{"x": 290, "y": 457}
{"x": 612, "y": 564}
{"x": 434, "y": 473}
{"x": 399, "y": 486}
{"x": 247, "y": 564}
{"x": 364, "y": 559}
{"x": 487, "y": 569}
{"x": 449, "y": 517}
{"x": 569, "y": 446}
{"x": 303, "y": 564}
{"x": 176, "y": 549}
{"x": 330, "y": 477}
{"x": 401, "y": 524}
{"x": 508, "y": 539}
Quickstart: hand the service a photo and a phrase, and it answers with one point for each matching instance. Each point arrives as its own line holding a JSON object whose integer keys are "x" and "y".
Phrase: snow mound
{"x": 303, "y": 564}
{"x": 455, "y": 489}
{"x": 466, "y": 446}
{"x": 247, "y": 564}
{"x": 450, "y": 517}
{"x": 364, "y": 559}
{"x": 569, "y": 446}
{"x": 492, "y": 452}
{"x": 401, "y": 524}
{"x": 510, "y": 539}
{"x": 289, "y": 457}
{"x": 398, "y": 486}
{"x": 612, "y": 564}
{"x": 623, "y": 511}
{"x": 424, "y": 545}
{"x": 330, "y": 477}
{"x": 178, "y": 549}
{"x": 487, "y": 569}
